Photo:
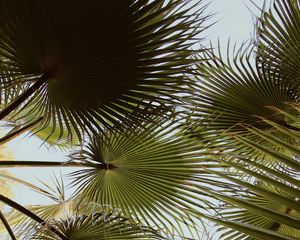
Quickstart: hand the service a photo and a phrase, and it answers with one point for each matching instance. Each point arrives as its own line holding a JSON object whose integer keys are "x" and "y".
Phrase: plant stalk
{"x": 13, "y": 163}
{"x": 11, "y": 135}
{"x": 30, "y": 214}
{"x": 25, "y": 95}
{"x": 6, "y": 225}
{"x": 21, "y": 164}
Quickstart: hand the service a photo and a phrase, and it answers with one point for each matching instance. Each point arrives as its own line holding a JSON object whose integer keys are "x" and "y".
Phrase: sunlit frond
{"x": 105, "y": 225}
{"x": 231, "y": 95}
{"x": 253, "y": 218}
{"x": 267, "y": 205}
{"x": 59, "y": 207}
{"x": 145, "y": 173}
{"x": 278, "y": 41}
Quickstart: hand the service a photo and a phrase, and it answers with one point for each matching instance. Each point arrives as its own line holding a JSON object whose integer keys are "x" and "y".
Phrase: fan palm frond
{"x": 260, "y": 221}
{"x": 89, "y": 65}
{"x": 145, "y": 173}
{"x": 278, "y": 38}
{"x": 267, "y": 205}
{"x": 63, "y": 215}
{"x": 59, "y": 207}
{"x": 100, "y": 225}
{"x": 231, "y": 95}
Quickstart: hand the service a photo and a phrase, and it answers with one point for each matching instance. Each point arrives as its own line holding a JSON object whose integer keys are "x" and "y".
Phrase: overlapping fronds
{"x": 106, "y": 225}
{"x": 232, "y": 95}
{"x": 267, "y": 205}
{"x": 145, "y": 173}
{"x": 277, "y": 221}
{"x": 102, "y": 70}
{"x": 74, "y": 221}
{"x": 47, "y": 132}
{"x": 93, "y": 64}
{"x": 59, "y": 207}
{"x": 278, "y": 40}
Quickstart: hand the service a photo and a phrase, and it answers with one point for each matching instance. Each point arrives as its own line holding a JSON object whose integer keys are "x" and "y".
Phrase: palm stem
{"x": 4, "y": 164}
{"x": 19, "y": 131}
{"x": 20, "y": 181}
{"x": 6, "y": 224}
{"x": 25, "y": 95}
{"x": 291, "y": 127}
{"x": 30, "y": 214}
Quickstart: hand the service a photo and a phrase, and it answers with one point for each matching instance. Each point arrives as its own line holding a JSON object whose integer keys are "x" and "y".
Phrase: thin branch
{"x": 20, "y": 181}
{"x": 18, "y": 132}
{"x": 6, "y": 224}
{"x": 12, "y": 163}
{"x": 25, "y": 95}
{"x": 30, "y": 214}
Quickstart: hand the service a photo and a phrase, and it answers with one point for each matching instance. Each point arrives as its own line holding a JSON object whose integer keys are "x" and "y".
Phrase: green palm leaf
{"x": 92, "y": 222}
{"x": 93, "y": 64}
{"x": 145, "y": 173}
{"x": 105, "y": 225}
{"x": 268, "y": 200}
{"x": 278, "y": 41}
{"x": 231, "y": 95}
{"x": 59, "y": 207}
{"x": 252, "y": 218}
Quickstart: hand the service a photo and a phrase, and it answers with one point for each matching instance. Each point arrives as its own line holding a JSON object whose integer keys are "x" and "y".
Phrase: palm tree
{"x": 84, "y": 68}
{"x": 143, "y": 173}
{"x": 222, "y": 101}
{"x": 250, "y": 111}
{"x": 110, "y": 76}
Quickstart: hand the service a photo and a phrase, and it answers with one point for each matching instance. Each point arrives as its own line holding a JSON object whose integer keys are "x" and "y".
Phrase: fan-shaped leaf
{"x": 98, "y": 62}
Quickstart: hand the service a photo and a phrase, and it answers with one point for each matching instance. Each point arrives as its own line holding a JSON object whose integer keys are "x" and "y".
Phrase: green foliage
{"x": 278, "y": 41}
{"x": 99, "y": 225}
{"x": 172, "y": 138}
{"x": 100, "y": 62}
{"x": 144, "y": 173}
{"x": 268, "y": 198}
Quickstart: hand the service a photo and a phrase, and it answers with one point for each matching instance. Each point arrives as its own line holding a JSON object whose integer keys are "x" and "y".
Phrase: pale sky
{"x": 233, "y": 20}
